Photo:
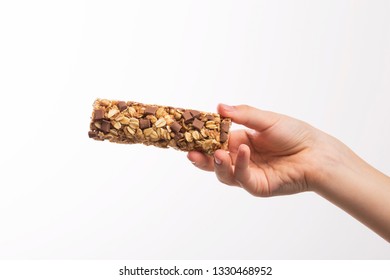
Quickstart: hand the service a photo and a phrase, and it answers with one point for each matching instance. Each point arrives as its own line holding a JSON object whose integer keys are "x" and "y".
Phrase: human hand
{"x": 281, "y": 155}
{"x": 273, "y": 157}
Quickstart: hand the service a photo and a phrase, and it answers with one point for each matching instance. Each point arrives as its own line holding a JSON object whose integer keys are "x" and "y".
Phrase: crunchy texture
{"x": 161, "y": 126}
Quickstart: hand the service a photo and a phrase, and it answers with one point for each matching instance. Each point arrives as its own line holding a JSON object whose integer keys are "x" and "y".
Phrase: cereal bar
{"x": 161, "y": 126}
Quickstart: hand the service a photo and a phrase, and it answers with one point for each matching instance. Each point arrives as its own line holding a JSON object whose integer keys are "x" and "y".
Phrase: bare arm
{"x": 279, "y": 155}
{"x": 350, "y": 183}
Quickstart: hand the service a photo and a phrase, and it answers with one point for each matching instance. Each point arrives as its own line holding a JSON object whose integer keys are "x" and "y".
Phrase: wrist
{"x": 347, "y": 181}
{"x": 332, "y": 163}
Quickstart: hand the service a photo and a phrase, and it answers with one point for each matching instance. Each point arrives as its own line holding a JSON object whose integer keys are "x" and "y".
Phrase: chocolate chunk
{"x": 223, "y": 137}
{"x": 98, "y": 114}
{"x": 92, "y": 134}
{"x": 122, "y": 105}
{"x": 178, "y": 136}
{"x": 187, "y": 116}
{"x": 144, "y": 123}
{"x": 176, "y": 127}
{"x": 150, "y": 110}
{"x": 198, "y": 124}
{"x": 225, "y": 127}
{"x": 105, "y": 126}
{"x": 210, "y": 117}
{"x": 195, "y": 113}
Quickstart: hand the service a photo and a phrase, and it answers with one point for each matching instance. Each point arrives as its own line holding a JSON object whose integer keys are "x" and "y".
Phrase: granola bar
{"x": 161, "y": 126}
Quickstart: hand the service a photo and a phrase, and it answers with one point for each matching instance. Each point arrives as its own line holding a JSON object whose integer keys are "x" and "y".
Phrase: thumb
{"x": 249, "y": 116}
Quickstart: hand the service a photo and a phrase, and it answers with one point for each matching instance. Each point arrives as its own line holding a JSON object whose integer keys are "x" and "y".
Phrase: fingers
{"x": 201, "y": 161}
{"x": 237, "y": 174}
{"x": 249, "y": 116}
{"x": 241, "y": 170}
{"x": 223, "y": 168}
{"x": 221, "y": 164}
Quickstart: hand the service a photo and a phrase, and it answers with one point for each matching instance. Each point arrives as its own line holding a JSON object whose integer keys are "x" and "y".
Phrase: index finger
{"x": 248, "y": 116}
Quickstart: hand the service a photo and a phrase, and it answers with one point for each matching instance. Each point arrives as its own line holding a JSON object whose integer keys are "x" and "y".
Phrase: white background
{"x": 63, "y": 195}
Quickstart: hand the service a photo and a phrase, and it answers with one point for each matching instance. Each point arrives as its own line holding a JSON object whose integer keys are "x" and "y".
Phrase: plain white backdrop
{"x": 63, "y": 195}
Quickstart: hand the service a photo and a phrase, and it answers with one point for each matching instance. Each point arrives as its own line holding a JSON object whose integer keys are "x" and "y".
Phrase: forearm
{"x": 358, "y": 188}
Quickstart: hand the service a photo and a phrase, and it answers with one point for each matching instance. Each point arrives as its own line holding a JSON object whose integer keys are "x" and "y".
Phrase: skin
{"x": 280, "y": 155}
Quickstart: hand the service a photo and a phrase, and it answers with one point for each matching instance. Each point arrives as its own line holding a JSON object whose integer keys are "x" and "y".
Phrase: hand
{"x": 272, "y": 158}
{"x": 281, "y": 155}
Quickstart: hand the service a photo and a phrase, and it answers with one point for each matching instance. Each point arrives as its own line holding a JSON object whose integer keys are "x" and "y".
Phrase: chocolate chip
{"x": 92, "y": 134}
{"x": 223, "y": 137}
{"x": 176, "y": 127}
{"x": 98, "y": 114}
{"x": 198, "y": 124}
{"x": 122, "y": 105}
{"x": 144, "y": 123}
{"x": 225, "y": 127}
{"x": 187, "y": 116}
{"x": 195, "y": 113}
{"x": 105, "y": 126}
{"x": 150, "y": 110}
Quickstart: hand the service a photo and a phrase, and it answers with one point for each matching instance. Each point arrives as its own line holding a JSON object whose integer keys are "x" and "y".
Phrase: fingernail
{"x": 217, "y": 161}
{"x": 227, "y": 108}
